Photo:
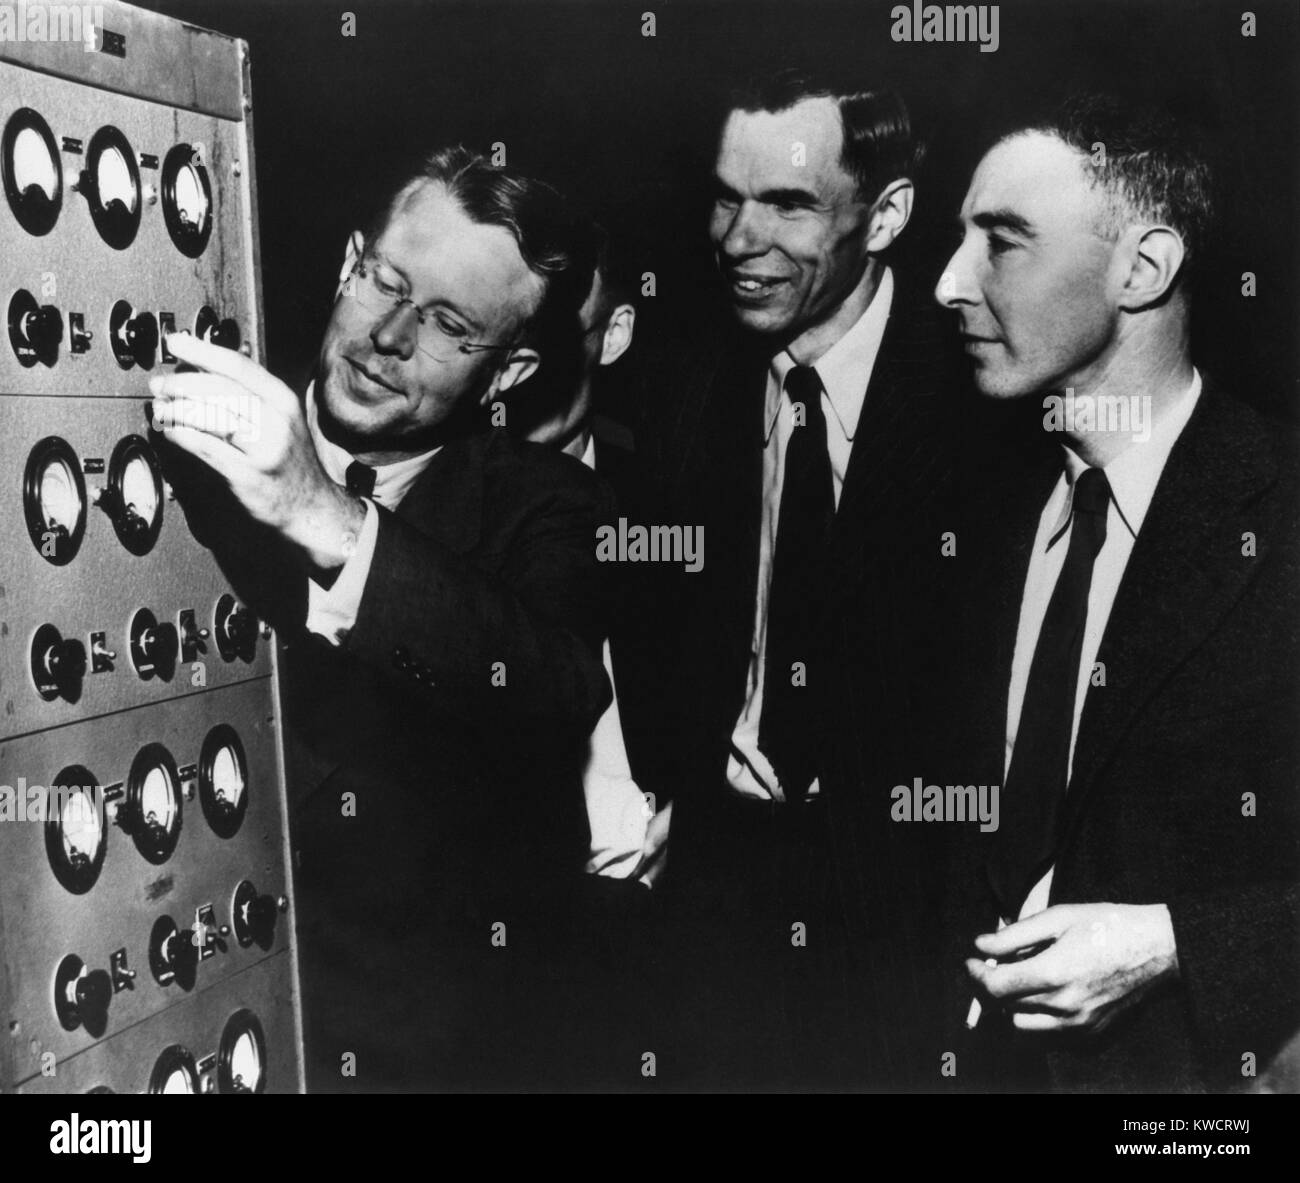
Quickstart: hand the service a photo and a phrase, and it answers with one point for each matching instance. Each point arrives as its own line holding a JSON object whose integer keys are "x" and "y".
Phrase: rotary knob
{"x": 154, "y": 645}
{"x": 133, "y": 335}
{"x": 35, "y": 330}
{"x": 58, "y": 664}
{"x": 81, "y": 996}
{"x": 253, "y": 916}
{"x": 235, "y": 628}
{"x": 173, "y": 954}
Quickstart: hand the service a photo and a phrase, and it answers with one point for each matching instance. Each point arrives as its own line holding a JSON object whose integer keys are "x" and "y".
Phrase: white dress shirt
{"x": 845, "y": 370}
{"x": 331, "y": 612}
{"x": 1133, "y": 476}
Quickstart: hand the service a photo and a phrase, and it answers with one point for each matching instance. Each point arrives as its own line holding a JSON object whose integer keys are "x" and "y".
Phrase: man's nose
{"x": 744, "y": 235}
{"x": 957, "y": 286}
{"x": 395, "y": 333}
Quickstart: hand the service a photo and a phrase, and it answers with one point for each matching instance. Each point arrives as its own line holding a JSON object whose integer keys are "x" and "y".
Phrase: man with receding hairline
{"x": 1129, "y": 656}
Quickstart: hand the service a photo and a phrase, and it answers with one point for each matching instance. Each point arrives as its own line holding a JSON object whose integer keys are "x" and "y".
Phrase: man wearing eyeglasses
{"x": 437, "y": 586}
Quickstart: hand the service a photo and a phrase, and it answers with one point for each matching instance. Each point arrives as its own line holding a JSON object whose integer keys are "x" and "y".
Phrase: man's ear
{"x": 520, "y": 364}
{"x": 1154, "y": 258}
{"x": 890, "y": 215}
{"x": 351, "y": 253}
{"x": 618, "y": 334}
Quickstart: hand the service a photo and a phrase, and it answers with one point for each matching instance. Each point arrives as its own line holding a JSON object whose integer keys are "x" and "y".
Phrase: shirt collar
{"x": 1134, "y": 474}
{"x": 391, "y": 480}
{"x": 844, "y": 369}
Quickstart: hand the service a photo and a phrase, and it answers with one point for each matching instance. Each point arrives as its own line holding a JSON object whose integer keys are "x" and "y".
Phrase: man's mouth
{"x": 750, "y": 287}
{"x": 372, "y": 377}
{"x": 972, "y": 341}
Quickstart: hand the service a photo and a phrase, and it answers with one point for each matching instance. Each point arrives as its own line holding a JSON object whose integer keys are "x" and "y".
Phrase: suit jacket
{"x": 434, "y": 769}
{"x": 878, "y": 934}
{"x": 1184, "y": 787}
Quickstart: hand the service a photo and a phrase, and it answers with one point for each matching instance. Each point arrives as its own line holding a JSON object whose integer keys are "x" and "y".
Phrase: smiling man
{"x": 1130, "y": 644}
{"x": 807, "y": 460}
{"x": 437, "y": 586}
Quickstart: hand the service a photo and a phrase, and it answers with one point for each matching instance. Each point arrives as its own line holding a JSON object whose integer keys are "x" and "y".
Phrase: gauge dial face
{"x": 54, "y": 500}
{"x": 33, "y": 176}
{"x": 174, "y": 1072}
{"x": 223, "y": 780}
{"x": 187, "y": 199}
{"x": 81, "y": 829}
{"x": 153, "y": 803}
{"x": 136, "y": 481}
{"x": 76, "y": 838}
{"x": 32, "y": 164}
{"x": 111, "y": 185}
{"x": 241, "y": 1061}
{"x": 139, "y": 488}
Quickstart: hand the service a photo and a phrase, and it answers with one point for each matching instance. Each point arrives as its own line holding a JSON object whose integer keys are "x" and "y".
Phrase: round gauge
{"x": 174, "y": 1072}
{"x": 241, "y": 1062}
{"x": 33, "y": 176}
{"x": 111, "y": 184}
{"x": 76, "y": 838}
{"x": 187, "y": 200}
{"x": 135, "y": 482}
{"x": 223, "y": 781}
{"x": 153, "y": 803}
{"x": 54, "y": 500}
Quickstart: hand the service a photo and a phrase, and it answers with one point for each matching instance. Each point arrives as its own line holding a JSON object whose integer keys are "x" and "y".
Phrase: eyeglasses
{"x": 436, "y": 335}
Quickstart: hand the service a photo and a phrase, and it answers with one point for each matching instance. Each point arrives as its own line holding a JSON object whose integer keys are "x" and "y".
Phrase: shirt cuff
{"x": 332, "y": 612}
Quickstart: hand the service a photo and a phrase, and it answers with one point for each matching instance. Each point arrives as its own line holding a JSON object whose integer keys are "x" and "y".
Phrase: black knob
{"x": 160, "y": 644}
{"x": 43, "y": 329}
{"x": 241, "y": 627}
{"x": 226, "y": 334}
{"x": 93, "y": 993}
{"x": 66, "y": 661}
{"x": 142, "y": 338}
{"x": 261, "y": 916}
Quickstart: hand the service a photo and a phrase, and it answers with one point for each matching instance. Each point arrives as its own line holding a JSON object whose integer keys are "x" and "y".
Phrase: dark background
{"x": 576, "y": 92}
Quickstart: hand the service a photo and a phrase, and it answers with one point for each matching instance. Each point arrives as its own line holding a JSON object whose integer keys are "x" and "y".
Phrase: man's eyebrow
{"x": 1005, "y": 219}
{"x": 788, "y": 197}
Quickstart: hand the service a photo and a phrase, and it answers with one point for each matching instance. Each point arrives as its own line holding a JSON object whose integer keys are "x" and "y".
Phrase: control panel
{"x": 146, "y": 921}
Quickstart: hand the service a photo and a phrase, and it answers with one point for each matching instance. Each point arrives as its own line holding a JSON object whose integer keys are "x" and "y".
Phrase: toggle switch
{"x": 101, "y": 656}
{"x": 35, "y": 330}
{"x": 193, "y": 638}
{"x": 123, "y": 978}
{"x": 81, "y": 996}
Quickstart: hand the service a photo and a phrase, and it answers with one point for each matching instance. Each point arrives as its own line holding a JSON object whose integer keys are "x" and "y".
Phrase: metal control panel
{"x": 146, "y": 936}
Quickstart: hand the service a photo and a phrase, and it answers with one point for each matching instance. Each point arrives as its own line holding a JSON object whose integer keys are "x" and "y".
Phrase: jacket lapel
{"x": 1185, "y": 572}
{"x": 446, "y": 501}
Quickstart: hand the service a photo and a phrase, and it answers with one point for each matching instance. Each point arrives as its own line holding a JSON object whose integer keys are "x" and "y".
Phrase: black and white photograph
{"x": 710, "y": 547}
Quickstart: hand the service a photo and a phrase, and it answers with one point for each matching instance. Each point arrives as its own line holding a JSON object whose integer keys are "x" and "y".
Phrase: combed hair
{"x": 879, "y": 145}
{"x": 553, "y": 239}
{"x": 1153, "y": 170}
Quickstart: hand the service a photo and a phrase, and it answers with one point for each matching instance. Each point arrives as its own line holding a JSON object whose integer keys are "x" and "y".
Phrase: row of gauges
{"x": 82, "y": 996}
{"x": 148, "y": 805}
{"x": 240, "y": 1063}
{"x": 135, "y": 337}
{"x": 59, "y": 664}
{"x": 110, "y": 183}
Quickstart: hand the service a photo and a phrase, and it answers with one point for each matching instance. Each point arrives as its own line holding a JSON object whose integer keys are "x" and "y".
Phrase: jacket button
{"x": 401, "y": 659}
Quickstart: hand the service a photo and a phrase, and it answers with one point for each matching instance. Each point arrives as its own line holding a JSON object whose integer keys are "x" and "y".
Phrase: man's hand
{"x": 1099, "y": 960}
{"x": 249, "y": 427}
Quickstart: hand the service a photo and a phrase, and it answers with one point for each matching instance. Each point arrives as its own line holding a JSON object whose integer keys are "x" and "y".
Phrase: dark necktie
{"x": 1036, "y": 781}
{"x": 360, "y": 479}
{"x": 796, "y": 628}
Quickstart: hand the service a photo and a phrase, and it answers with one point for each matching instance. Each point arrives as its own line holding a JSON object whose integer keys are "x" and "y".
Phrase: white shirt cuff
{"x": 332, "y": 612}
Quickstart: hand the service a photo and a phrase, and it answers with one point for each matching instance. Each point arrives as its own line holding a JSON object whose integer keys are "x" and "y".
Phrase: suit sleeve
{"x": 523, "y": 643}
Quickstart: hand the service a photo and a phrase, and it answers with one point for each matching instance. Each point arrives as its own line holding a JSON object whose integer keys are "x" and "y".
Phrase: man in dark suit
{"x": 809, "y": 451}
{"x": 1128, "y": 670}
{"x": 438, "y": 589}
